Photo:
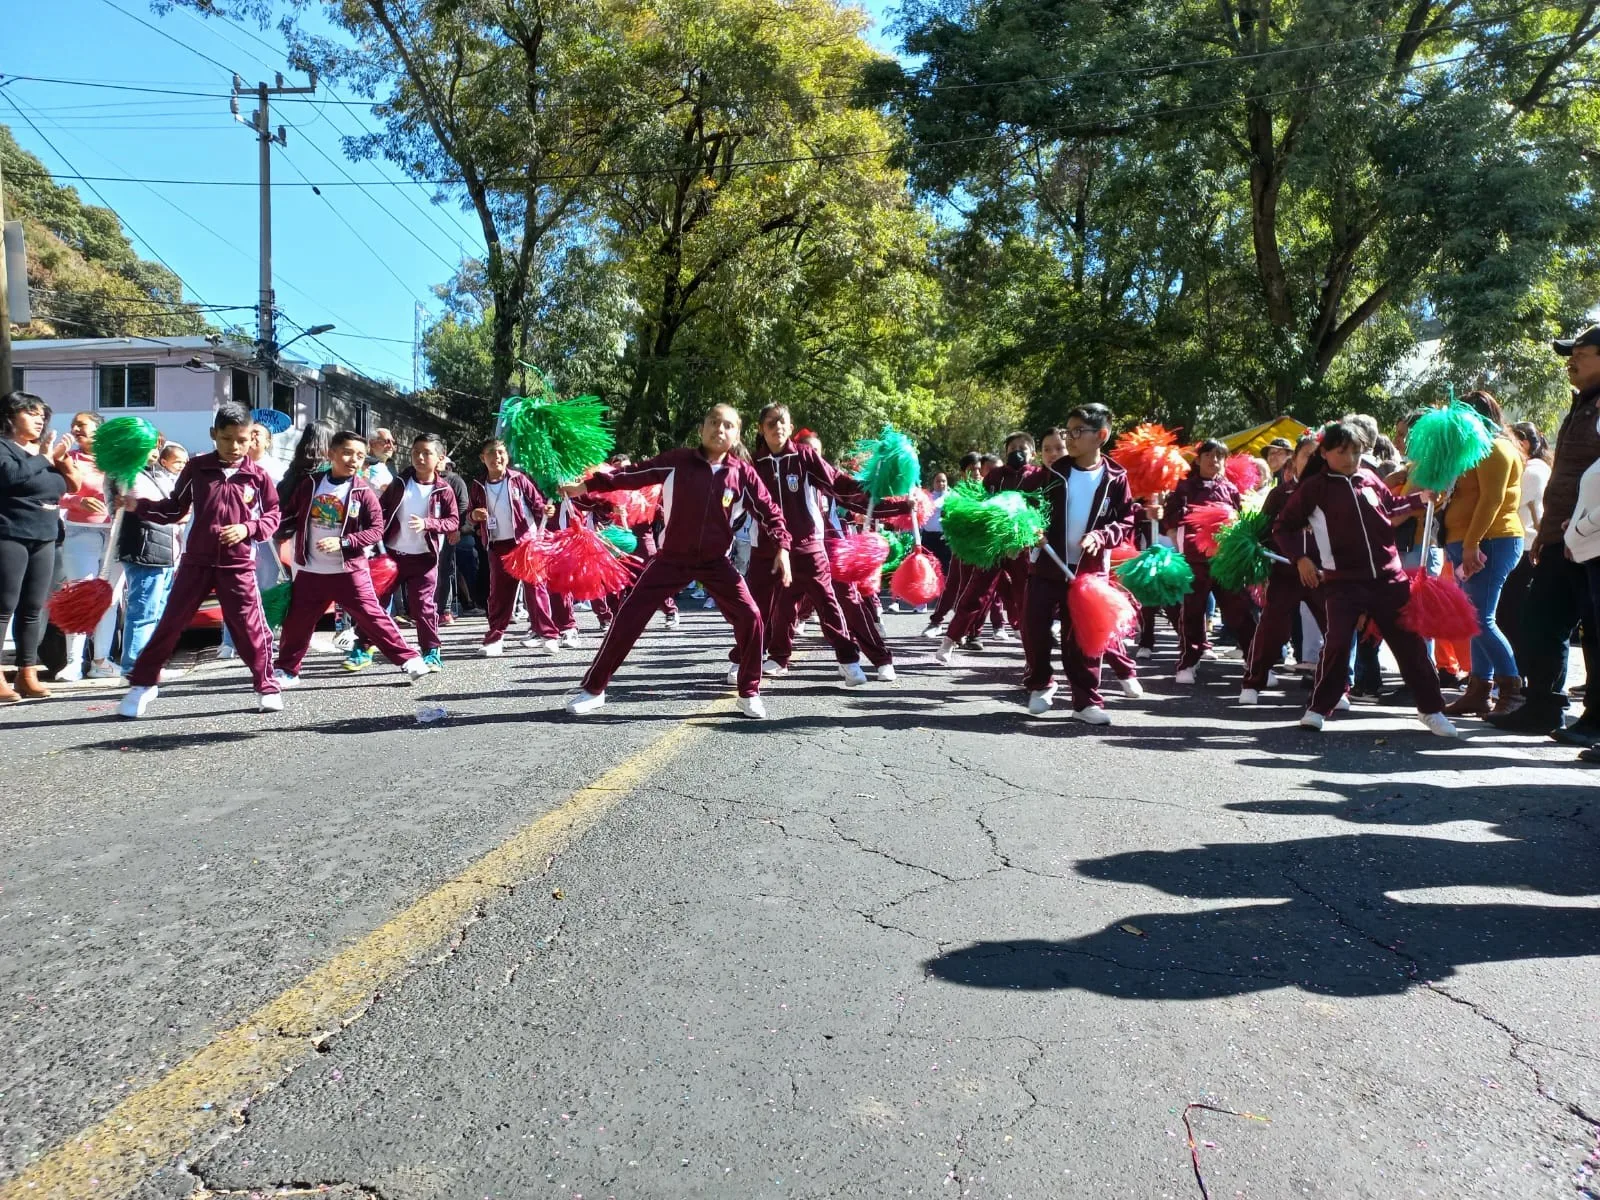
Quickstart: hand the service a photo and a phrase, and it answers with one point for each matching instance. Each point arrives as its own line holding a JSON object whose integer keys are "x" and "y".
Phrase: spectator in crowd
{"x": 87, "y": 511}
{"x": 149, "y": 553}
{"x": 1277, "y": 453}
{"x": 261, "y": 452}
{"x": 445, "y": 596}
{"x": 380, "y": 449}
{"x": 1536, "y": 459}
{"x": 933, "y": 528}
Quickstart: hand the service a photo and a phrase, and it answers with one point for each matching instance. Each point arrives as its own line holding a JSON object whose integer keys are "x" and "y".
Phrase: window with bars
{"x": 128, "y": 385}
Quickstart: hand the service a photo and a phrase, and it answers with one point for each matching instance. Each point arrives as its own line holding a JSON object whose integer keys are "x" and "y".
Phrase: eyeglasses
{"x": 1078, "y": 433}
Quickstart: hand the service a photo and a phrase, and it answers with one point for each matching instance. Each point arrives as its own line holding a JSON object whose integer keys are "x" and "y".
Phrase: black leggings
{"x": 26, "y": 569}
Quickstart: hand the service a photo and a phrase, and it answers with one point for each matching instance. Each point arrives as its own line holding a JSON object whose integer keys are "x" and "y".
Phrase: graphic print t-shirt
{"x": 328, "y": 511}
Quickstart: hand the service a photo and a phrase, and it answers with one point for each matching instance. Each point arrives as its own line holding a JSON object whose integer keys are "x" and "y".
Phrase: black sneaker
{"x": 1528, "y": 718}
{"x": 972, "y": 643}
{"x": 1590, "y": 756}
{"x": 1583, "y": 733}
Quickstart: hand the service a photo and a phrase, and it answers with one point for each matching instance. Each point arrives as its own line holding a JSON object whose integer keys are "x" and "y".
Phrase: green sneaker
{"x": 358, "y": 660}
{"x": 432, "y": 661}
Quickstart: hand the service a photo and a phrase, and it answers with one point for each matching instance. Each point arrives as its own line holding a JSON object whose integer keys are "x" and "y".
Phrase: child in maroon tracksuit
{"x": 419, "y": 512}
{"x": 1205, "y": 484}
{"x": 1349, "y": 512}
{"x": 1284, "y": 591}
{"x": 705, "y": 491}
{"x": 1008, "y": 579}
{"x": 336, "y": 517}
{"x": 235, "y": 506}
{"x": 504, "y": 505}
{"x": 1090, "y": 511}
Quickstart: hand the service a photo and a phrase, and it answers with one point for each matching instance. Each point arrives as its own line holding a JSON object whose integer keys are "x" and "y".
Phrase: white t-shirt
{"x": 414, "y": 503}
{"x": 497, "y": 499}
{"x": 329, "y": 506}
{"x": 935, "y": 521}
{"x": 1535, "y": 475}
{"x": 1081, "y": 487}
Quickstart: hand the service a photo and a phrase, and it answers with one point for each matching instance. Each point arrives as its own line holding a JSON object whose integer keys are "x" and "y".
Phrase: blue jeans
{"x": 1491, "y": 652}
{"x": 145, "y": 597}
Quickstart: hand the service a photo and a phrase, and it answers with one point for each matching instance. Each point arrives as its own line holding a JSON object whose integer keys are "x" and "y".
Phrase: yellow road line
{"x": 151, "y": 1126}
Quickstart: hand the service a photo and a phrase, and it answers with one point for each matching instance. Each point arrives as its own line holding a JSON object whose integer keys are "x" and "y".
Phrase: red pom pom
{"x": 871, "y": 585}
{"x": 78, "y": 607}
{"x": 1101, "y": 613}
{"x": 634, "y": 508}
{"x": 1438, "y": 608}
{"x": 528, "y": 559}
{"x": 586, "y": 567}
{"x": 858, "y": 557}
{"x": 1202, "y": 522}
{"x": 1243, "y": 472}
{"x": 921, "y": 504}
{"x": 918, "y": 579}
{"x": 1123, "y": 552}
{"x": 384, "y": 572}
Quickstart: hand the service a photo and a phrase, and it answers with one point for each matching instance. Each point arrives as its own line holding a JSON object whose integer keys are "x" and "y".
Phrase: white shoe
{"x": 1231, "y": 653}
{"x": 585, "y": 703}
{"x": 69, "y": 674}
{"x": 104, "y": 669}
{"x": 1132, "y": 688}
{"x": 733, "y": 676}
{"x": 225, "y": 651}
{"x": 1209, "y": 654}
{"x": 1142, "y": 653}
{"x": 934, "y": 631}
{"x": 803, "y": 629}
{"x": 286, "y": 680}
{"x": 569, "y": 638}
{"x": 1039, "y": 702}
{"x": 886, "y": 673}
{"x": 773, "y": 669}
{"x": 136, "y": 701}
{"x": 1249, "y": 696}
{"x": 343, "y": 641}
{"x": 672, "y": 620}
{"x": 549, "y": 647}
{"x": 1439, "y": 725}
{"x": 415, "y": 669}
{"x": 492, "y": 649}
{"x": 1272, "y": 679}
{"x": 1093, "y": 715}
{"x": 1004, "y": 634}
{"x": 1184, "y": 676}
{"x": 852, "y": 674}
{"x": 945, "y": 652}
{"x": 1343, "y": 705}
{"x": 269, "y": 702}
{"x": 751, "y": 706}
{"x": 710, "y": 603}
{"x": 1311, "y": 720}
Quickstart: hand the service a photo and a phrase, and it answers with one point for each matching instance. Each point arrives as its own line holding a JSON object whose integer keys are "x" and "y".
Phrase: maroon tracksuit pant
{"x": 1009, "y": 580}
{"x": 1234, "y": 606}
{"x": 503, "y": 587}
{"x": 862, "y": 625}
{"x": 309, "y": 597}
{"x": 779, "y": 605}
{"x": 1285, "y": 593}
{"x": 645, "y": 552}
{"x": 1381, "y": 600}
{"x": 240, "y": 600}
{"x": 663, "y": 577}
{"x": 1046, "y": 603}
{"x": 954, "y": 580}
{"x": 562, "y": 614}
{"x": 421, "y": 573}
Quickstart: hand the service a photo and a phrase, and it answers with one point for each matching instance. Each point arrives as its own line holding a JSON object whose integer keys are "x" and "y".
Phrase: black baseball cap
{"x": 1589, "y": 337}
{"x": 1277, "y": 443}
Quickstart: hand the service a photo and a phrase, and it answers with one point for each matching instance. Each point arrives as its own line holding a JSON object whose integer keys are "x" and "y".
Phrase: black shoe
{"x": 1591, "y": 755}
{"x": 1582, "y": 732}
{"x": 972, "y": 643}
{"x": 1529, "y": 718}
{"x": 1449, "y": 679}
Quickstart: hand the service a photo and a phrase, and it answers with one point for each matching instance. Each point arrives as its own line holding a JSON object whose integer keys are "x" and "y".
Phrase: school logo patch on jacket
{"x": 249, "y": 493}
{"x": 793, "y": 480}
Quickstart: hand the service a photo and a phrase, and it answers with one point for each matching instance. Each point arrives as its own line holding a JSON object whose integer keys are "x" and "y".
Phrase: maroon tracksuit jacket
{"x": 1283, "y": 595}
{"x": 527, "y": 507}
{"x": 1235, "y": 606}
{"x": 1010, "y": 578}
{"x": 420, "y": 571}
{"x": 238, "y": 494}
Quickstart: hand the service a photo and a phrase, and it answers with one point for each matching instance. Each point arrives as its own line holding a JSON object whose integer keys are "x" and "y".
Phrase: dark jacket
{"x": 149, "y": 543}
{"x": 30, "y": 495}
{"x": 1110, "y": 514}
{"x": 1348, "y": 517}
{"x": 249, "y": 498}
{"x": 1577, "y": 446}
{"x": 1304, "y": 545}
{"x": 1194, "y": 491}
{"x": 443, "y": 515}
{"x": 702, "y": 504}
{"x": 527, "y": 505}
{"x": 363, "y": 524}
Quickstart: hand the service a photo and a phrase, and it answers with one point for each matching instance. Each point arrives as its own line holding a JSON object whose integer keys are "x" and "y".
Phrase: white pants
{"x": 80, "y": 556}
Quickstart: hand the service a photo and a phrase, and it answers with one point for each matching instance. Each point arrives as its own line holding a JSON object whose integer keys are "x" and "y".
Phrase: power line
{"x": 160, "y": 32}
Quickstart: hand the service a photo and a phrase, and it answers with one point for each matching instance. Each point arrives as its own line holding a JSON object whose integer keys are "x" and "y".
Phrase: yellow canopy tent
{"x": 1251, "y": 441}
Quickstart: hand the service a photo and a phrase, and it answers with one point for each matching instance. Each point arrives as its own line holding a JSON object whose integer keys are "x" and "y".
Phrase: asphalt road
{"x": 901, "y": 941}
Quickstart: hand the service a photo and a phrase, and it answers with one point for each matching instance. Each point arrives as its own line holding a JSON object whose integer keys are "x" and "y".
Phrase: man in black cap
{"x": 1277, "y": 452}
{"x": 1558, "y": 598}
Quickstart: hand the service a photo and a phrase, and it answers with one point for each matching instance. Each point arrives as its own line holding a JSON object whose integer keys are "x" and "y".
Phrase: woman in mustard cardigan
{"x": 1483, "y": 537}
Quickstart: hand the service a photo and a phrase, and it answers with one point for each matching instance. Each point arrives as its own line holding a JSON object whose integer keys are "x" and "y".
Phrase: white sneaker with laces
{"x": 549, "y": 647}
{"x": 1004, "y": 634}
{"x": 1039, "y": 702}
{"x": 773, "y": 669}
{"x": 344, "y": 641}
{"x": 886, "y": 673}
{"x": 945, "y": 652}
{"x": 1209, "y": 654}
{"x": 491, "y": 649}
{"x": 69, "y": 674}
{"x": 733, "y": 676}
{"x": 226, "y": 652}
{"x": 569, "y": 639}
{"x": 1249, "y": 696}
{"x": 414, "y": 668}
{"x": 1439, "y": 725}
{"x": 852, "y": 674}
{"x": 286, "y": 680}
{"x": 1311, "y": 720}
{"x": 585, "y": 702}
{"x": 269, "y": 702}
{"x": 1132, "y": 688}
{"x": 803, "y": 629}
{"x": 1093, "y": 715}
{"x": 1272, "y": 679}
{"x": 1343, "y": 705}
{"x": 137, "y": 700}
{"x": 672, "y": 621}
{"x": 104, "y": 669}
{"x": 1184, "y": 676}
{"x": 751, "y": 706}
{"x": 934, "y": 631}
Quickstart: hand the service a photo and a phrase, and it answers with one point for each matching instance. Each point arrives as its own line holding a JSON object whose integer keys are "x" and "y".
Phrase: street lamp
{"x": 267, "y": 359}
{"x": 314, "y": 331}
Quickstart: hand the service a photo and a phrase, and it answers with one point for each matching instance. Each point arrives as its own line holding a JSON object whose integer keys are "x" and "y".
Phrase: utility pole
{"x": 266, "y": 325}
{"x": 5, "y": 310}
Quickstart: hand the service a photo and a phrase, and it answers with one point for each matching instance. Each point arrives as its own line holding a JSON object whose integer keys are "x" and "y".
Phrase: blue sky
{"x": 360, "y": 259}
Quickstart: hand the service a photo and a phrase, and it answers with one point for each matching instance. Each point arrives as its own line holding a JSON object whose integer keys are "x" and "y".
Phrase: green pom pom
{"x": 556, "y": 441}
{"x": 275, "y": 604}
{"x": 1445, "y": 444}
{"x": 621, "y": 538}
{"x": 1241, "y": 559}
{"x": 899, "y": 546}
{"x": 987, "y": 530}
{"x": 1158, "y": 577}
{"x": 122, "y": 447}
{"x": 891, "y": 467}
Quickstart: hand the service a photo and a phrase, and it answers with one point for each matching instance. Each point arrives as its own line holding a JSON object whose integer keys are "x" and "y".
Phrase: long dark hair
{"x": 1528, "y": 434}
{"x": 15, "y": 404}
{"x": 310, "y": 452}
